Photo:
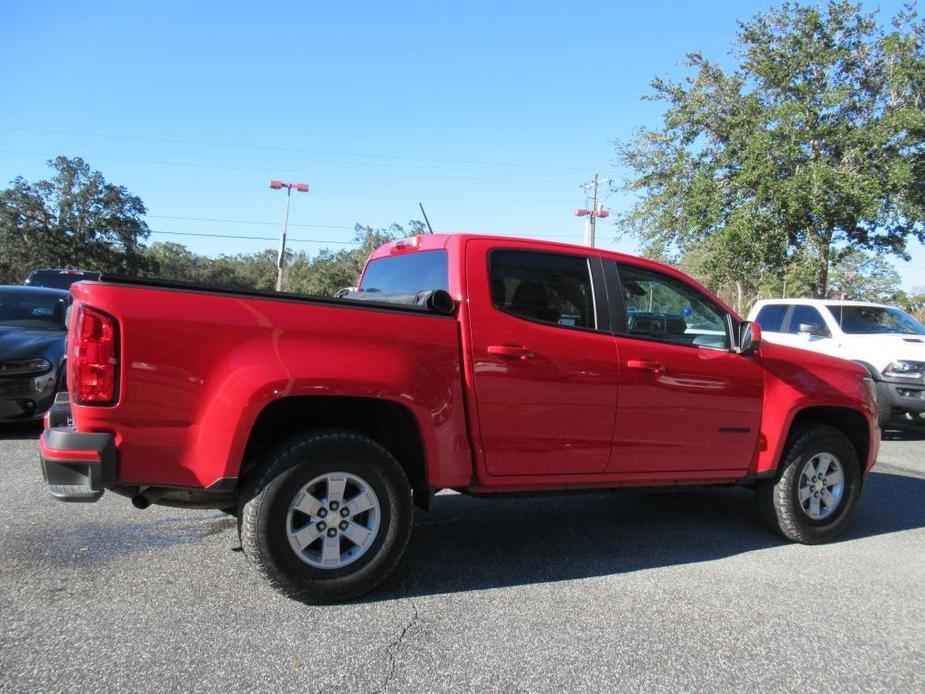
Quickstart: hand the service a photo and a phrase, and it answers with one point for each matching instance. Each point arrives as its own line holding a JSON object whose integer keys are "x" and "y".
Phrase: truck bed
{"x": 199, "y": 364}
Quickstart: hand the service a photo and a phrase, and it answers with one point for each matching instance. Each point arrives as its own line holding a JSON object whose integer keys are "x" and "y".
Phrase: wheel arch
{"x": 871, "y": 369}
{"x": 852, "y": 423}
{"x": 390, "y": 424}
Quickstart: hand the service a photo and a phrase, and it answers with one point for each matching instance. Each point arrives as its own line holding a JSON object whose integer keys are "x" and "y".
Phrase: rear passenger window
{"x": 771, "y": 317}
{"x": 544, "y": 287}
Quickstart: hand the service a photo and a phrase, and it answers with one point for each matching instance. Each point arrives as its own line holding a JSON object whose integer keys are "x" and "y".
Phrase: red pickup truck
{"x": 488, "y": 365}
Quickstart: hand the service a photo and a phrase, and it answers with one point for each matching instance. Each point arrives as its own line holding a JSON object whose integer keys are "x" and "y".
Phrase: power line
{"x": 248, "y": 238}
{"x": 290, "y": 149}
{"x": 298, "y": 163}
{"x": 350, "y": 243}
{"x": 247, "y": 221}
{"x": 328, "y": 226}
{"x": 277, "y": 169}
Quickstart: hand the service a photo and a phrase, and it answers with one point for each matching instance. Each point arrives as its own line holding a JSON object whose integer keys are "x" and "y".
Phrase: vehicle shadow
{"x": 20, "y": 431}
{"x": 467, "y": 543}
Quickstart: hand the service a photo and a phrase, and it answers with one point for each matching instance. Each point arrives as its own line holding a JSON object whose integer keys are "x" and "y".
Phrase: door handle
{"x": 515, "y": 351}
{"x": 645, "y": 365}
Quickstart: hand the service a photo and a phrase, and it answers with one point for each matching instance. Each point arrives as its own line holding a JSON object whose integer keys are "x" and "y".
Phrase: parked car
{"x": 886, "y": 341}
{"x": 59, "y": 279}
{"x": 32, "y": 350}
{"x": 488, "y": 365}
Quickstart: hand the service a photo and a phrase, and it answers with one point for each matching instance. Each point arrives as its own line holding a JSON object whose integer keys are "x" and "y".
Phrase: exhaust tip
{"x": 140, "y": 501}
{"x": 149, "y": 496}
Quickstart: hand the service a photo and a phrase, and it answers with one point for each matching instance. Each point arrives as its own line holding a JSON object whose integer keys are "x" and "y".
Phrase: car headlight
{"x": 905, "y": 370}
{"x": 24, "y": 367}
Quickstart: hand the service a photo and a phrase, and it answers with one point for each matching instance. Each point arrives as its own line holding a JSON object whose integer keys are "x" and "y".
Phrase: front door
{"x": 544, "y": 361}
{"x": 687, "y": 403}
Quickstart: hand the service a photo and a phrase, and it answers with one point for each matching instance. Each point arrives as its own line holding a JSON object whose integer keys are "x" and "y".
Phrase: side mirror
{"x": 812, "y": 329}
{"x": 749, "y": 338}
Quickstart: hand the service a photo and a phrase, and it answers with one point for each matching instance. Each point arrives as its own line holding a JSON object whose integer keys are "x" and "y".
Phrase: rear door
{"x": 544, "y": 362}
{"x": 687, "y": 401}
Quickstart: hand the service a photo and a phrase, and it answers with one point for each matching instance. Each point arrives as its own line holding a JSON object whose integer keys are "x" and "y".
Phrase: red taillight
{"x": 94, "y": 360}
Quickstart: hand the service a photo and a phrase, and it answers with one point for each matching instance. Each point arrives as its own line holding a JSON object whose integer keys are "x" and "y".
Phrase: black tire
{"x": 265, "y": 506}
{"x": 884, "y": 410}
{"x": 778, "y": 500}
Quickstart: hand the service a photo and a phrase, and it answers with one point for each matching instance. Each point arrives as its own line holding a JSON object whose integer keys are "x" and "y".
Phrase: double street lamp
{"x": 281, "y": 259}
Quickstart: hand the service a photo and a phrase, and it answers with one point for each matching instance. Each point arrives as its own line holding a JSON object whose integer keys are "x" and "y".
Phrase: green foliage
{"x": 865, "y": 277}
{"x": 332, "y": 270}
{"x": 912, "y": 302}
{"x": 814, "y": 142}
{"x": 321, "y": 275}
{"x": 74, "y": 219}
{"x": 77, "y": 219}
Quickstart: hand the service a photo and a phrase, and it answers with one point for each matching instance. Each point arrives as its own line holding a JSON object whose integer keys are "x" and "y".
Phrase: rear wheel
{"x": 817, "y": 488}
{"x": 329, "y": 517}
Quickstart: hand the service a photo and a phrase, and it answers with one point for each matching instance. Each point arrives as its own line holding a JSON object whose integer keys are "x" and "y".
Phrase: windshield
{"x": 58, "y": 279}
{"x": 866, "y": 320}
{"x": 36, "y": 311}
{"x": 405, "y": 274}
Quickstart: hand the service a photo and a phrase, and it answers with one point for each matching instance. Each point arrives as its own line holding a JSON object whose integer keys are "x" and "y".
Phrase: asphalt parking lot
{"x": 615, "y": 592}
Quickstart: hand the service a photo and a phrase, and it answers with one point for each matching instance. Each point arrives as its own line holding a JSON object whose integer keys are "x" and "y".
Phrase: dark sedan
{"x": 32, "y": 350}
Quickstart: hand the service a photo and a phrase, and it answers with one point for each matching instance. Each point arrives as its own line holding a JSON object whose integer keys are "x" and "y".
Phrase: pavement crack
{"x": 396, "y": 644}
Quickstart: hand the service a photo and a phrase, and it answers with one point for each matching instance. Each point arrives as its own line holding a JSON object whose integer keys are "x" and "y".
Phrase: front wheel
{"x": 328, "y": 518}
{"x": 884, "y": 409}
{"x": 817, "y": 488}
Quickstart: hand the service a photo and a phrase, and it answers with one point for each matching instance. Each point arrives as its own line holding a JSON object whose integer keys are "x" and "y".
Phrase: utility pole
{"x": 595, "y": 211}
{"x": 281, "y": 259}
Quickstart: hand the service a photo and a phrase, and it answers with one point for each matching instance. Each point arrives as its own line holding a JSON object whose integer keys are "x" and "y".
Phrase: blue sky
{"x": 490, "y": 113}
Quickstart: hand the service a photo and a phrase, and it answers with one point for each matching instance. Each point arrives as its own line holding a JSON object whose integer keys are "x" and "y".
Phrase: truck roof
{"x": 425, "y": 242}
{"x": 435, "y": 241}
{"x": 820, "y": 302}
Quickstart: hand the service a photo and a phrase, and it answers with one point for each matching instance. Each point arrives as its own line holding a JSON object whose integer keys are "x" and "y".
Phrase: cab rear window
{"x": 407, "y": 273}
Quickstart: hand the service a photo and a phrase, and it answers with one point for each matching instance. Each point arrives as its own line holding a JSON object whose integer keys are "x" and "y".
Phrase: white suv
{"x": 889, "y": 343}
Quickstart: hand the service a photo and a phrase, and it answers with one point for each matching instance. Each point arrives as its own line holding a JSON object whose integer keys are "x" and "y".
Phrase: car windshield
{"x": 866, "y": 320}
{"x": 413, "y": 272}
{"x": 59, "y": 279}
{"x": 33, "y": 310}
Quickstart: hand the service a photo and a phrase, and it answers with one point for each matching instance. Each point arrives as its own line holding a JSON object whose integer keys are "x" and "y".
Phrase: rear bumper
{"x": 76, "y": 466}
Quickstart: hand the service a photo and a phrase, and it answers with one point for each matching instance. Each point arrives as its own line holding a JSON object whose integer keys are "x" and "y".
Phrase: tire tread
{"x": 284, "y": 457}
{"x": 774, "y": 502}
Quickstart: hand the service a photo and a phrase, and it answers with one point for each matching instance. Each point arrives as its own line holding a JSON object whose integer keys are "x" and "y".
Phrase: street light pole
{"x": 281, "y": 259}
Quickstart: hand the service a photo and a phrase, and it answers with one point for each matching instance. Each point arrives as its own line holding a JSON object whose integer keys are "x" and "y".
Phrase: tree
{"x": 322, "y": 275}
{"x": 333, "y": 270}
{"x": 74, "y": 219}
{"x": 862, "y": 276}
{"x": 815, "y": 141}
